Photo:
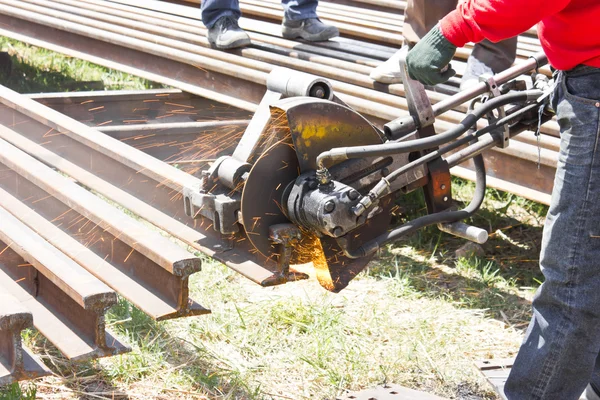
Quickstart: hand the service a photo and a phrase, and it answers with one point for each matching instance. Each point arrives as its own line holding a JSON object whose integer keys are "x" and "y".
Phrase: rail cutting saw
{"x": 312, "y": 180}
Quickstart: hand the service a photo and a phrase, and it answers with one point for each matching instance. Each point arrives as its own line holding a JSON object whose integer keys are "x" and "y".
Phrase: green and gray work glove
{"x": 428, "y": 59}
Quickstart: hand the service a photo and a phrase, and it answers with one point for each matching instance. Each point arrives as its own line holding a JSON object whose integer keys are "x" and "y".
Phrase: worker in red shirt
{"x": 559, "y": 355}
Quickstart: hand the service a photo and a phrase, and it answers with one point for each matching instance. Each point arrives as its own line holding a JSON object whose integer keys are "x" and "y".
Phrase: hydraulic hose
{"x": 345, "y": 153}
{"x": 443, "y": 217}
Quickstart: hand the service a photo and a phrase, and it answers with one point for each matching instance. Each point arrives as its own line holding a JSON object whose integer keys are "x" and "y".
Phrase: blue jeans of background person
{"x": 294, "y": 10}
{"x": 558, "y": 355}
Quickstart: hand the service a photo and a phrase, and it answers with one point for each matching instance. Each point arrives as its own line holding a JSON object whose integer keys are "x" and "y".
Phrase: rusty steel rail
{"x": 67, "y": 303}
{"x": 16, "y": 361}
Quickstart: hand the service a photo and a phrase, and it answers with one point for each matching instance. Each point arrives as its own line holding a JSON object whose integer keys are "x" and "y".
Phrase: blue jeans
{"x": 293, "y": 10}
{"x": 558, "y": 356}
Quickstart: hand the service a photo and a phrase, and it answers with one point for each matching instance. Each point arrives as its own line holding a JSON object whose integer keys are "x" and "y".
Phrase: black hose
{"x": 460, "y": 142}
{"x": 442, "y": 217}
{"x": 428, "y": 142}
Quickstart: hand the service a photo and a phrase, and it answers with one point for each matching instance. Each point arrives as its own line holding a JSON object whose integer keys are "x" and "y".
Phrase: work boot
{"x": 226, "y": 34}
{"x": 389, "y": 71}
{"x": 311, "y": 29}
{"x": 474, "y": 70}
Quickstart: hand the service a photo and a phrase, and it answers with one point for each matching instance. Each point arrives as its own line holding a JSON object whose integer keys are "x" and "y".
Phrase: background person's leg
{"x": 220, "y": 17}
{"x": 300, "y": 20}
{"x": 489, "y": 58}
{"x": 213, "y": 10}
{"x": 419, "y": 18}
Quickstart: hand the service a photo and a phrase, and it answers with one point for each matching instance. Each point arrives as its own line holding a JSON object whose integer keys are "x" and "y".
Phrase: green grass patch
{"x": 38, "y": 70}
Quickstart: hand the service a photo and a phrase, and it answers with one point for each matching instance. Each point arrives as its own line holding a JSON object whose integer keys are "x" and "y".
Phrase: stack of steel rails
{"x": 167, "y": 43}
{"x": 72, "y": 199}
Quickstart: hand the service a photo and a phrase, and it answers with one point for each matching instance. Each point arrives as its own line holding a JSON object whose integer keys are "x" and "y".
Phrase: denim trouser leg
{"x": 212, "y": 10}
{"x": 557, "y": 357}
{"x": 295, "y": 10}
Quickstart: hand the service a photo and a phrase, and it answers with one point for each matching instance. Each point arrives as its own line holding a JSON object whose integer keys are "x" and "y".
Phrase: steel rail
{"x": 378, "y": 111}
{"x": 16, "y": 361}
{"x": 68, "y": 303}
{"x": 105, "y": 231}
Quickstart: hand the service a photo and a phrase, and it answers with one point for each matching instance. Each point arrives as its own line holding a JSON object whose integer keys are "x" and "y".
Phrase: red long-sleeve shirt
{"x": 569, "y": 30}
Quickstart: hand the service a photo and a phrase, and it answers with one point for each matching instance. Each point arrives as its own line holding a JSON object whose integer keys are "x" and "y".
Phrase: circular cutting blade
{"x": 263, "y": 189}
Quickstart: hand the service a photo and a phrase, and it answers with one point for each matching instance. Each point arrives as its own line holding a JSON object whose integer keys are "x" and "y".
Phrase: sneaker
{"x": 589, "y": 394}
{"x": 474, "y": 70}
{"x": 389, "y": 71}
{"x": 226, "y": 34}
{"x": 311, "y": 29}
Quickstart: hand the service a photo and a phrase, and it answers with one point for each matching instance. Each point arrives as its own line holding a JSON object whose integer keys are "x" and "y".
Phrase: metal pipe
{"x": 410, "y": 227}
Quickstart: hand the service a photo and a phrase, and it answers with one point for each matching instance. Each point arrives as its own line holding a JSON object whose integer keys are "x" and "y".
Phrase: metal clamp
{"x": 494, "y": 91}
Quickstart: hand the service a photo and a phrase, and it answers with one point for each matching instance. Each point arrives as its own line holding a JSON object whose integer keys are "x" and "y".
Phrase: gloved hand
{"x": 427, "y": 59}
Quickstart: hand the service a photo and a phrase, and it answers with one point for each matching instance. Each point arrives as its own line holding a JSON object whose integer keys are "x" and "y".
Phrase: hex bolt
{"x": 329, "y": 206}
{"x": 337, "y": 231}
{"x": 312, "y": 185}
{"x": 353, "y": 194}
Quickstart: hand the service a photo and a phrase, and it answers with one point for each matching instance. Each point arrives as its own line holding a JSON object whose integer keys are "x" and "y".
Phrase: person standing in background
{"x": 419, "y": 18}
{"x": 300, "y": 20}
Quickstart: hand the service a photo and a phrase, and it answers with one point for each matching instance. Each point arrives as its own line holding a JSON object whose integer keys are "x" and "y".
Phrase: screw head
{"x": 353, "y": 194}
{"x": 443, "y": 187}
{"x": 329, "y": 206}
{"x": 337, "y": 231}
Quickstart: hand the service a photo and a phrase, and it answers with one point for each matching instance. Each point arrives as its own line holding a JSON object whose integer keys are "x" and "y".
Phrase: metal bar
{"x": 379, "y": 106}
{"x": 16, "y": 361}
{"x": 329, "y": 67}
{"x": 126, "y": 108}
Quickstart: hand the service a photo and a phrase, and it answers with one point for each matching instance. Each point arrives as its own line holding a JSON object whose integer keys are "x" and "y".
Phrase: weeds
{"x": 18, "y": 392}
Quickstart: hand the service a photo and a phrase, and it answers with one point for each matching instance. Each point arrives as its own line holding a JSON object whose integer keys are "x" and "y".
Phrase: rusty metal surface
{"x": 139, "y": 108}
{"x": 84, "y": 217}
{"x": 16, "y": 361}
{"x": 79, "y": 333}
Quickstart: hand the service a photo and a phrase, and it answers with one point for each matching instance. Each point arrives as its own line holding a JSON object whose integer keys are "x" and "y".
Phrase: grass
{"x": 418, "y": 316}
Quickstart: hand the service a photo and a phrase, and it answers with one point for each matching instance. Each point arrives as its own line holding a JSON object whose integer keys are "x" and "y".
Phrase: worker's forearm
{"x": 475, "y": 20}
